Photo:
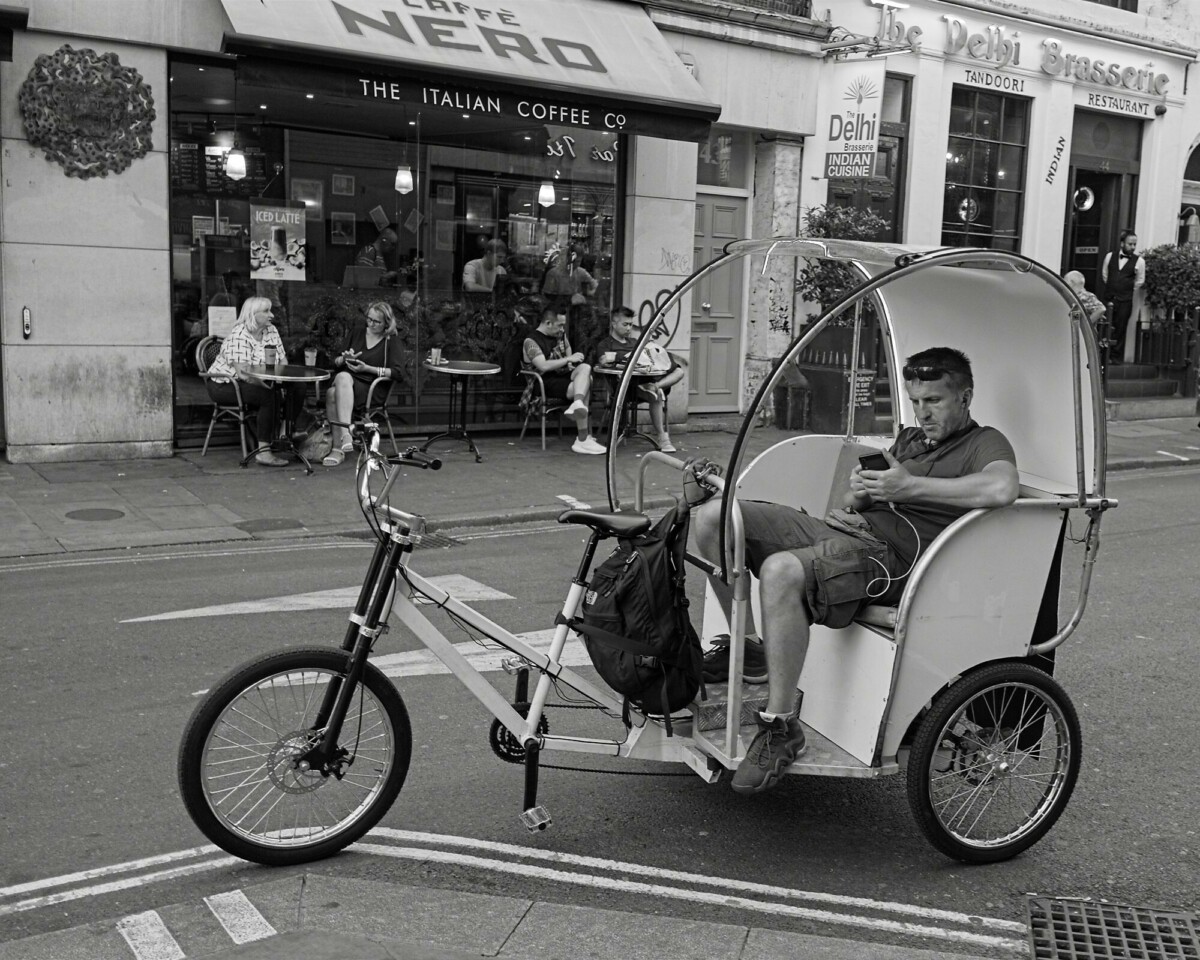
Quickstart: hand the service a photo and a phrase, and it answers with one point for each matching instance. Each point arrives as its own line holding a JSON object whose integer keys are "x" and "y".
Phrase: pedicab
{"x": 954, "y": 684}
{"x": 298, "y": 753}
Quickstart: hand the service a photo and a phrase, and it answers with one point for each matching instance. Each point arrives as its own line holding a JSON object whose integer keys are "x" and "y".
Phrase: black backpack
{"x": 635, "y": 623}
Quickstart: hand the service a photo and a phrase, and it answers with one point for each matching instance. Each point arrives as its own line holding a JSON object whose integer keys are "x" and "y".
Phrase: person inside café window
{"x": 479, "y": 276}
{"x": 564, "y": 374}
{"x": 371, "y": 351}
{"x": 376, "y": 253}
{"x": 565, "y": 283}
{"x": 247, "y": 345}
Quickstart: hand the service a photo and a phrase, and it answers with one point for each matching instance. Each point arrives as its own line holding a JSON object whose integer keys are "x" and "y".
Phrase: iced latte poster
{"x": 277, "y": 240}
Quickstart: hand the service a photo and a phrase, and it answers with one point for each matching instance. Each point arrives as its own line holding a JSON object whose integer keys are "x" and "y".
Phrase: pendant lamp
{"x": 546, "y": 194}
{"x": 404, "y": 178}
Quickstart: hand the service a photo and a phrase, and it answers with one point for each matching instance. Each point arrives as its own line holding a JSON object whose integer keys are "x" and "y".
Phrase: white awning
{"x": 597, "y": 52}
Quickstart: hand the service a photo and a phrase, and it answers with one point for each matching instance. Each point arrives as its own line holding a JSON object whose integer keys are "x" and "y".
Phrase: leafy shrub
{"x": 824, "y": 282}
{"x": 1173, "y": 276}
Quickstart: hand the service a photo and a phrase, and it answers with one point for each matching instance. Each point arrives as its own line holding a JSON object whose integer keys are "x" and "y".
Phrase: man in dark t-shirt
{"x": 936, "y": 472}
{"x": 564, "y": 374}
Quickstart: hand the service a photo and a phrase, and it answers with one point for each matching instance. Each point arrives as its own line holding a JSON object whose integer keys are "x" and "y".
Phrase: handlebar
{"x": 415, "y": 457}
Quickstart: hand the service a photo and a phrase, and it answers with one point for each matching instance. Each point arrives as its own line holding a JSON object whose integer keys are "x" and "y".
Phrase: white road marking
{"x": 724, "y": 883}
{"x": 462, "y": 588}
{"x": 881, "y": 924}
{"x": 239, "y": 917}
{"x": 149, "y": 938}
{"x": 34, "y": 903}
{"x": 127, "y": 867}
{"x": 1174, "y": 456}
{"x": 573, "y": 503}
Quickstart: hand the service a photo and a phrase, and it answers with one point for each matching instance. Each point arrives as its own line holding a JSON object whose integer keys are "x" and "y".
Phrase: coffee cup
{"x": 310, "y": 356}
{"x": 269, "y": 356}
{"x": 435, "y": 355}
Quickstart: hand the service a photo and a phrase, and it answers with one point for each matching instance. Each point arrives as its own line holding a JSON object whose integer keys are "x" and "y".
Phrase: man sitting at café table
{"x": 479, "y": 276}
{"x": 937, "y": 471}
{"x": 564, "y": 374}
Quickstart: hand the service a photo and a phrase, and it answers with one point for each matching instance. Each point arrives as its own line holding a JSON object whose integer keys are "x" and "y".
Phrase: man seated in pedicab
{"x": 824, "y": 571}
{"x": 614, "y": 350}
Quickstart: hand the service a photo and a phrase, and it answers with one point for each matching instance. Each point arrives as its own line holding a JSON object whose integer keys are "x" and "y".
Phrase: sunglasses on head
{"x": 923, "y": 372}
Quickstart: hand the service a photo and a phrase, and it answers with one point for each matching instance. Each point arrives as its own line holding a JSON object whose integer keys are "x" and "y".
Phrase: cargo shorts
{"x": 845, "y": 568}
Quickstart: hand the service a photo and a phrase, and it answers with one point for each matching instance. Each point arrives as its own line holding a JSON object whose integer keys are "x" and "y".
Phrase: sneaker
{"x": 716, "y": 661}
{"x": 777, "y": 743}
{"x": 575, "y": 407}
{"x": 665, "y": 444}
{"x": 268, "y": 459}
{"x": 588, "y": 445}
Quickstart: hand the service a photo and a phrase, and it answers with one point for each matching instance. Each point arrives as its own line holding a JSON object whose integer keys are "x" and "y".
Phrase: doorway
{"x": 1093, "y": 202}
{"x": 716, "y": 345}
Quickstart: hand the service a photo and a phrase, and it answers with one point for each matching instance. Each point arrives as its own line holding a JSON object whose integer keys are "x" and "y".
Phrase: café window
{"x": 345, "y": 201}
{"x": 985, "y": 170}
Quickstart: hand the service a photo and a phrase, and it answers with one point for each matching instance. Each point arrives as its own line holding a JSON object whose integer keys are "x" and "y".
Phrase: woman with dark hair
{"x": 246, "y": 345}
{"x": 372, "y": 351}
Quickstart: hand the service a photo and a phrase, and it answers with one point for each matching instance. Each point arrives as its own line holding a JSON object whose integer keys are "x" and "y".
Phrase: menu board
{"x": 185, "y": 166}
{"x": 251, "y": 185}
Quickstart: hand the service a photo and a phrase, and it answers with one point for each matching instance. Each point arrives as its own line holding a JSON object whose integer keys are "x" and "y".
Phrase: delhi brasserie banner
{"x": 851, "y": 105}
{"x": 277, "y": 240}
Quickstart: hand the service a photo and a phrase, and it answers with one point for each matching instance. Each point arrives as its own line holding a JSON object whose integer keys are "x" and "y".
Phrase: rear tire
{"x": 994, "y": 763}
{"x": 237, "y": 763}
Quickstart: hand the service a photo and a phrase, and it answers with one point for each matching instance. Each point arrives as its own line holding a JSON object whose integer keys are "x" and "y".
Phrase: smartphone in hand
{"x": 874, "y": 461}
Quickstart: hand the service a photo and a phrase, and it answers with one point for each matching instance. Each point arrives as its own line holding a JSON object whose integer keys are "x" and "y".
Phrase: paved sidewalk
{"x": 57, "y": 508}
{"x": 323, "y": 917}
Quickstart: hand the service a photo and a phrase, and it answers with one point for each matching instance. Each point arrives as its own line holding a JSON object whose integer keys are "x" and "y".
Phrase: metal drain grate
{"x": 1092, "y": 930}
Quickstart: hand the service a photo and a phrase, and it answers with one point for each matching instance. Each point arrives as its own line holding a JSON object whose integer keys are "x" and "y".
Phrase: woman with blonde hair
{"x": 247, "y": 344}
{"x": 372, "y": 351}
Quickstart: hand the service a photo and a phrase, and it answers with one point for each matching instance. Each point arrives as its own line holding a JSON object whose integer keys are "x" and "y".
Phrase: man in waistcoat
{"x": 1123, "y": 273}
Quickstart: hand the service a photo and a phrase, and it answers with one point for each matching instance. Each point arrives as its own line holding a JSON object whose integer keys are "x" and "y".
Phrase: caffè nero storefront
{"x": 336, "y": 154}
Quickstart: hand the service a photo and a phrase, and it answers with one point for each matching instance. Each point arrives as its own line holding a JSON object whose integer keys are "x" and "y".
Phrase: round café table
{"x": 277, "y": 376}
{"x": 626, "y": 424}
{"x": 460, "y": 373}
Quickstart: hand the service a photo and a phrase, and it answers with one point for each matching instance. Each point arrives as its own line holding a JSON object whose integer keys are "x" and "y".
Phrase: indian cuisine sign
{"x": 852, "y": 111}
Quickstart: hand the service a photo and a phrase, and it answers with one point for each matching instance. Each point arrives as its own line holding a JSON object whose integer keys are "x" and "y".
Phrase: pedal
{"x": 535, "y": 819}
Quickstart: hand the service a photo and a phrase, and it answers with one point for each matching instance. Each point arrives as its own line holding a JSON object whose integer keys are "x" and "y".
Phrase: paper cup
{"x": 269, "y": 357}
{"x": 310, "y": 357}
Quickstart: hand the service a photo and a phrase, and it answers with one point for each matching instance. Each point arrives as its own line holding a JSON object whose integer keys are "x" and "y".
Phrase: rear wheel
{"x": 994, "y": 762}
{"x": 242, "y": 771}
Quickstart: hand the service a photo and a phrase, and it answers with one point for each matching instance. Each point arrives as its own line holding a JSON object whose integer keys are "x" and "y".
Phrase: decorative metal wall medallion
{"x": 86, "y": 111}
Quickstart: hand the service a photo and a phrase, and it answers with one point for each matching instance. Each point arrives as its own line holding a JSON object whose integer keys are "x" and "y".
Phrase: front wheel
{"x": 994, "y": 762}
{"x": 242, "y": 771}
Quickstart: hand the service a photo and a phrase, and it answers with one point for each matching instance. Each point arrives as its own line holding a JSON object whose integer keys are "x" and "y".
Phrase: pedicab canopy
{"x": 1034, "y": 357}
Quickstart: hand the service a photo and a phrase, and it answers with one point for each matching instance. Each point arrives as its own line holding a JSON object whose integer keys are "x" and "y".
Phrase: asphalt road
{"x": 93, "y": 706}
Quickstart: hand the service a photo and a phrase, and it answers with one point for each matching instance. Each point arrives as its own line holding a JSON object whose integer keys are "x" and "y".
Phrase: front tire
{"x": 238, "y": 770}
{"x": 994, "y": 763}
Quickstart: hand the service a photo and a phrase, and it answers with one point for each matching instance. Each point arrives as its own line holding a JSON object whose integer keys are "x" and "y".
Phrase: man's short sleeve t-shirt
{"x": 967, "y": 453}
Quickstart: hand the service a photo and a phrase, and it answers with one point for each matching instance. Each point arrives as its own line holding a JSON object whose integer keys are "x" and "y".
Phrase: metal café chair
{"x": 206, "y": 352}
{"x": 536, "y": 405}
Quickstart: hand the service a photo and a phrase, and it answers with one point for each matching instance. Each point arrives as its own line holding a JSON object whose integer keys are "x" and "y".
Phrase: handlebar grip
{"x": 420, "y": 459}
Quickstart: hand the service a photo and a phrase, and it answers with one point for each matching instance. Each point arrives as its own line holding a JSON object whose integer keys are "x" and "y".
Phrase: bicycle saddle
{"x": 608, "y": 524}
